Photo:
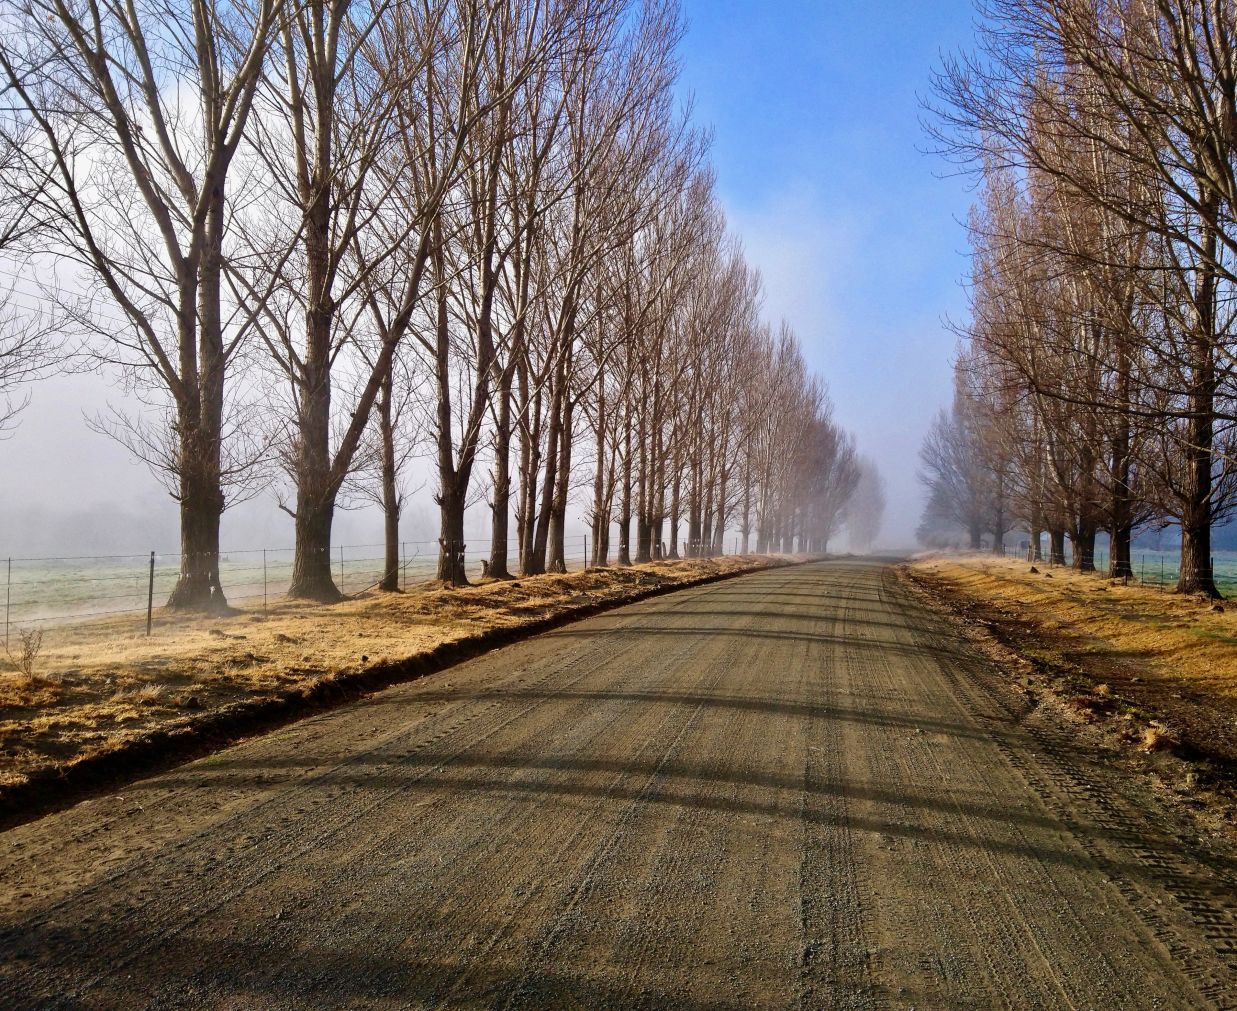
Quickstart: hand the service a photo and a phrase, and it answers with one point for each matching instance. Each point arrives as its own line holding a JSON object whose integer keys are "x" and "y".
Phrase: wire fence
{"x": 1158, "y": 569}
{"x": 56, "y": 591}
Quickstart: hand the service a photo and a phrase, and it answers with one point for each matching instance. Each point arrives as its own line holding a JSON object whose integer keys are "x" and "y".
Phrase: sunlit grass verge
{"x": 1154, "y": 672}
{"x": 106, "y": 703}
{"x": 1184, "y": 641}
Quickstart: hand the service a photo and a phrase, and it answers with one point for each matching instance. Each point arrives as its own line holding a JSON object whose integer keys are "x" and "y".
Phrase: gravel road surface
{"x": 792, "y": 789}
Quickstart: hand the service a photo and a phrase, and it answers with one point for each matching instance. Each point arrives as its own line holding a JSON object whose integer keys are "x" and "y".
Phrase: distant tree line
{"x": 1095, "y": 387}
{"x": 318, "y": 238}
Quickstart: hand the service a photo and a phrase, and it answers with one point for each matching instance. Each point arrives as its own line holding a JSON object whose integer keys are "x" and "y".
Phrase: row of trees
{"x": 1095, "y": 386}
{"x": 318, "y": 237}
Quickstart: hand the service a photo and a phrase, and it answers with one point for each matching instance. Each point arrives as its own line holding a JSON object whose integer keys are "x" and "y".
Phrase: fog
{"x": 72, "y": 491}
{"x": 821, "y": 161}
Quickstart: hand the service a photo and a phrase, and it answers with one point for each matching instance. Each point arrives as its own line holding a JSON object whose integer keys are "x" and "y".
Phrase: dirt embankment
{"x": 1158, "y": 671}
{"x": 102, "y": 703}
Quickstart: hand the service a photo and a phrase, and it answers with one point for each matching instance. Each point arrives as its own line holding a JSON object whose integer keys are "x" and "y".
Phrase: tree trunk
{"x": 541, "y": 531}
{"x": 602, "y": 549}
{"x": 315, "y": 497}
{"x": 451, "y": 535}
{"x": 1196, "y": 575}
{"x": 694, "y": 495}
{"x": 998, "y": 516}
{"x": 200, "y": 428}
{"x": 500, "y": 507}
{"x": 201, "y": 507}
{"x": 676, "y": 500}
{"x": 598, "y": 520}
{"x": 1084, "y": 548}
{"x": 624, "y": 517}
{"x": 390, "y": 490}
{"x": 1120, "y": 542}
{"x": 557, "y": 560}
{"x": 659, "y": 490}
{"x": 1121, "y": 527}
{"x": 719, "y": 528}
{"x": 530, "y": 466}
{"x": 644, "y": 526}
{"x": 311, "y": 566}
{"x": 1056, "y": 545}
{"x": 746, "y": 528}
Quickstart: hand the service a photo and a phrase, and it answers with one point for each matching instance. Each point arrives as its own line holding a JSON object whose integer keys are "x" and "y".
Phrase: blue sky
{"x": 815, "y": 108}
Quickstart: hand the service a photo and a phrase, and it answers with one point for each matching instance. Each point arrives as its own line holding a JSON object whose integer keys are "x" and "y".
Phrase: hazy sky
{"x": 815, "y": 107}
{"x": 817, "y": 144}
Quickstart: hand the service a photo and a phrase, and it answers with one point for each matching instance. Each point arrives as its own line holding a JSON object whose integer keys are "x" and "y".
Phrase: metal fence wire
{"x": 1158, "y": 569}
{"x": 51, "y": 591}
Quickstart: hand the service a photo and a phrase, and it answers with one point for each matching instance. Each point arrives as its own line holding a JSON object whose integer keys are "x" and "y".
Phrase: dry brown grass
{"x": 1157, "y": 737}
{"x": 1156, "y": 673}
{"x": 99, "y": 684}
{"x": 1178, "y": 640}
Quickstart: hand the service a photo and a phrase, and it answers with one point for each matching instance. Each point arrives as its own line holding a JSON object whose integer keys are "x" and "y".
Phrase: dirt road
{"x": 791, "y": 789}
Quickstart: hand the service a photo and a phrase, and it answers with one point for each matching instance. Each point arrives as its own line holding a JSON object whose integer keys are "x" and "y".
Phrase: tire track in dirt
{"x": 673, "y": 867}
{"x": 792, "y": 789}
{"x": 1119, "y": 832}
{"x": 280, "y": 815}
{"x": 443, "y": 822}
{"x": 979, "y": 946}
{"x": 836, "y": 959}
{"x": 101, "y": 816}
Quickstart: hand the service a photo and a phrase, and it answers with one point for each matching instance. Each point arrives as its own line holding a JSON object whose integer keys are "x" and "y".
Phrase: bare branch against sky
{"x": 543, "y": 262}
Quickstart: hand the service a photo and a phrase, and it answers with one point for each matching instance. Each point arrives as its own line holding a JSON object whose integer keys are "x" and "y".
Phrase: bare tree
{"x": 953, "y": 471}
{"x": 138, "y": 110}
{"x": 1145, "y": 91}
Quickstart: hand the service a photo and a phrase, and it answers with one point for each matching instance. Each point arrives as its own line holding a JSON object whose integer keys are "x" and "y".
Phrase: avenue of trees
{"x": 317, "y": 238}
{"x": 1096, "y": 387}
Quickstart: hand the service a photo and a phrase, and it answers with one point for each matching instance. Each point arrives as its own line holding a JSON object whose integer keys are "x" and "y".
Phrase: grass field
{"x": 50, "y": 592}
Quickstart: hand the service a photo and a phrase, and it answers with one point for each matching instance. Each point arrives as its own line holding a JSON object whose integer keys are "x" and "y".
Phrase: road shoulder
{"x": 1141, "y": 675}
{"x": 194, "y": 692}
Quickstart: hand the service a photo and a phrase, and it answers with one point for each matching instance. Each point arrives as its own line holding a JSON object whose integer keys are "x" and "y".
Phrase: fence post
{"x": 150, "y": 595}
{"x": 341, "y": 568}
{"x": 8, "y": 603}
{"x": 264, "y": 580}
{"x": 586, "y": 552}
{"x": 403, "y": 575}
